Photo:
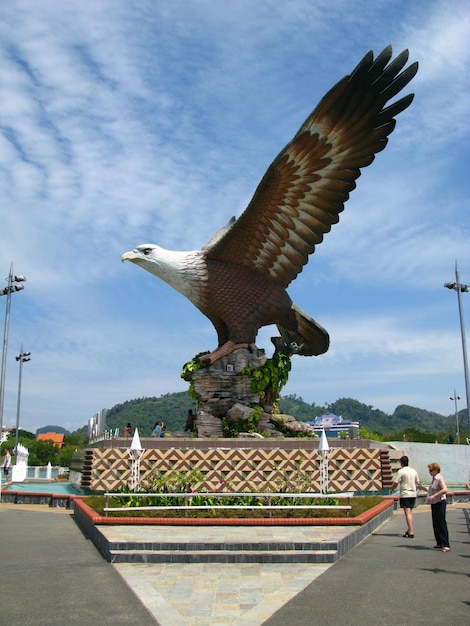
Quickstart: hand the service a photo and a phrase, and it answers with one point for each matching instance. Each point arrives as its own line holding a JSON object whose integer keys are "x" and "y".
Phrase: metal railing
{"x": 106, "y": 435}
{"x": 269, "y": 506}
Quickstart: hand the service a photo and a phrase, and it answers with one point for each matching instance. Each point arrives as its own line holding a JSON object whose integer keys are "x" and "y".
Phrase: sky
{"x": 124, "y": 123}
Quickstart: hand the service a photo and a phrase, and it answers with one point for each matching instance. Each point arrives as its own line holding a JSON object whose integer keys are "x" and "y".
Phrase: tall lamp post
{"x": 14, "y": 284}
{"x": 460, "y": 288}
{"x": 455, "y": 398}
{"x": 22, "y": 357}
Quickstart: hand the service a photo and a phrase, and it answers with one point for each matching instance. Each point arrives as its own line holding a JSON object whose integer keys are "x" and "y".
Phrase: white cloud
{"x": 123, "y": 123}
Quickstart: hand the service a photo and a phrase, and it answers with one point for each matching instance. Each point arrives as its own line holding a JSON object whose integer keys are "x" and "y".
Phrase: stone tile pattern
{"x": 215, "y": 594}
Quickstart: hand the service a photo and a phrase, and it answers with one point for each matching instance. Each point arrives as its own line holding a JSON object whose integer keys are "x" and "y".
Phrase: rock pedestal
{"x": 220, "y": 385}
{"x": 225, "y": 394}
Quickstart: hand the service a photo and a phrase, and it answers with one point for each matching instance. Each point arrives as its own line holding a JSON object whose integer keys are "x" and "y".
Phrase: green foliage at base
{"x": 233, "y": 429}
{"x": 270, "y": 378}
{"x": 188, "y": 371}
{"x": 280, "y": 424}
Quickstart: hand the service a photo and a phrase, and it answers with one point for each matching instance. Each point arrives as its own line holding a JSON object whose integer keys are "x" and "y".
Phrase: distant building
{"x": 56, "y": 438}
{"x": 97, "y": 426}
{"x": 334, "y": 425}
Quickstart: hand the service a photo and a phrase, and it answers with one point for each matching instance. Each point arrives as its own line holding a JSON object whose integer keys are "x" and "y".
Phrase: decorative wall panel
{"x": 243, "y": 469}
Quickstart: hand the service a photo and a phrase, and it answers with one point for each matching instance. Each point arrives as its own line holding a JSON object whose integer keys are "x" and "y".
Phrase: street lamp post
{"x": 460, "y": 288}
{"x": 22, "y": 357}
{"x": 455, "y": 398}
{"x": 14, "y": 284}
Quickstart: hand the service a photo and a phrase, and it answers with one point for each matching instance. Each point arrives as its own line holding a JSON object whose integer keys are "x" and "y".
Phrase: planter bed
{"x": 83, "y": 510}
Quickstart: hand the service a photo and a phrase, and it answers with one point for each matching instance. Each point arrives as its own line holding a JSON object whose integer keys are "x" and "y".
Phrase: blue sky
{"x": 153, "y": 121}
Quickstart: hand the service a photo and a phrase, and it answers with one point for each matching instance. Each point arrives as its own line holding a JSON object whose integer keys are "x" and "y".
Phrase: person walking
{"x": 408, "y": 482}
{"x": 437, "y": 498}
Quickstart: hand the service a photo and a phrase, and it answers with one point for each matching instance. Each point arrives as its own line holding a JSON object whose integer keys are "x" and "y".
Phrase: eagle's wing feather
{"x": 305, "y": 188}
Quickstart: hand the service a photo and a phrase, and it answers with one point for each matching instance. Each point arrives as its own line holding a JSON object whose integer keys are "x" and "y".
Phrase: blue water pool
{"x": 59, "y": 487}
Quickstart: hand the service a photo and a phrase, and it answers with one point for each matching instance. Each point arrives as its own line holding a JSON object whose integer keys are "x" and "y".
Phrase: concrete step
{"x": 227, "y": 546}
{"x": 223, "y": 556}
{"x": 216, "y": 552}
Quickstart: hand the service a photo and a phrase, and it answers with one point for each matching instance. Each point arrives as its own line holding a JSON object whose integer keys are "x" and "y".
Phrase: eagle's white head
{"x": 174, "y": 267}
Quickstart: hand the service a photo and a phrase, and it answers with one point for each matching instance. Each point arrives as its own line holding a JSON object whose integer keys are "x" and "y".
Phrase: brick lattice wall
{"x": 247, "y": 468}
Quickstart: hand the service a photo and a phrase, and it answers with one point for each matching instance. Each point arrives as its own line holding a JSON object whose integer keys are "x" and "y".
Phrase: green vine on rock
{"x": 233, "y": 429}
{"x": 188, "y": 371}
{"x": 270, "y": 378}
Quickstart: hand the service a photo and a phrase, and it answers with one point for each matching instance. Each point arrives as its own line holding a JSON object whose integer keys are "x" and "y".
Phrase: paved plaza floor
{"x": 51, "y": 574}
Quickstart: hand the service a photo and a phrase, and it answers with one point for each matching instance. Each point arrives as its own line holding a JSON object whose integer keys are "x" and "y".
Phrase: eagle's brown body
{"x": 239, "y": 279}
{"x": 259, "y": 300}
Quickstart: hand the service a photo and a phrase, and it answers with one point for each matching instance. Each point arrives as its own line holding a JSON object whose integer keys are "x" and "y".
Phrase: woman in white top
{"x": 437, "y": 498}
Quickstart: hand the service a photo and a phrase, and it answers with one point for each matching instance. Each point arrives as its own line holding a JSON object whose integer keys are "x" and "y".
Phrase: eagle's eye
{"x": 147, "y": 251}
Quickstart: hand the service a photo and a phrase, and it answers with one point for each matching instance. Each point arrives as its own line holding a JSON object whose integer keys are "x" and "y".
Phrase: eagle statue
{"x": 239, "y": 278}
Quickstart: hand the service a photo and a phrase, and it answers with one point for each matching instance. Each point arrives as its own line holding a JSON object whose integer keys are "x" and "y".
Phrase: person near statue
{"x": 128, "y": 430}
{"x": 190, "y": 420}
{"x": 408, "y": 482}
{"x": 6, "y": 464}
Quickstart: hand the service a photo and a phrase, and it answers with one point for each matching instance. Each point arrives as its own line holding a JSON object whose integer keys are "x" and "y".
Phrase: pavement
{"x": 51, "y": 574}
{"x": 390, "y": 580}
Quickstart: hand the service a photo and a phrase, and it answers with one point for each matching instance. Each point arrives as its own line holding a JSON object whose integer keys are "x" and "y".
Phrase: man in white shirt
{"x": 408, "y": 481}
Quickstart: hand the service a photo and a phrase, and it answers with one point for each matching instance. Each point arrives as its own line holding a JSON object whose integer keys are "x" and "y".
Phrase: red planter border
{"x": 94, "y": 518}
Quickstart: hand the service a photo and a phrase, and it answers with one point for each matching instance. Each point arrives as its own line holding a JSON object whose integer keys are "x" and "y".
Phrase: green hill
{"x": 52, "y": 429}
{"x": 171, "y": 408}
{"x": 404, "y": 418}
{"x": 142, "y": 413}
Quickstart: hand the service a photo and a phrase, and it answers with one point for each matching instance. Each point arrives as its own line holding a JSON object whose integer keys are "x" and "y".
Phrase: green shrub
{"x": 359, "y": 504}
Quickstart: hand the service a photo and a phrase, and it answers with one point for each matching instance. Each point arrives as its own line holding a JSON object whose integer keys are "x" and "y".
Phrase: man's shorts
{"x": 407, "y": 503}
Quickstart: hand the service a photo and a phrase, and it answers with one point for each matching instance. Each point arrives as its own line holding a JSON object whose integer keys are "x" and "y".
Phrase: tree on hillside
{"x": 22, "y": 435}
{"x": 372, "y": 419}
{"x": 409, "y": 416}
{"x": 296, "y": 406}
{"x": 142, "y": 413}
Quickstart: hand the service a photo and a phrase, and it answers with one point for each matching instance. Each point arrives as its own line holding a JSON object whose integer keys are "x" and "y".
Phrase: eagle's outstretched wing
{"x": 305, "y": 188}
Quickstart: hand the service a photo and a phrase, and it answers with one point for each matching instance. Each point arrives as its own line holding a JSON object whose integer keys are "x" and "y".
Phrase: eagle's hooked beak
{"x": 128, "y": 256}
